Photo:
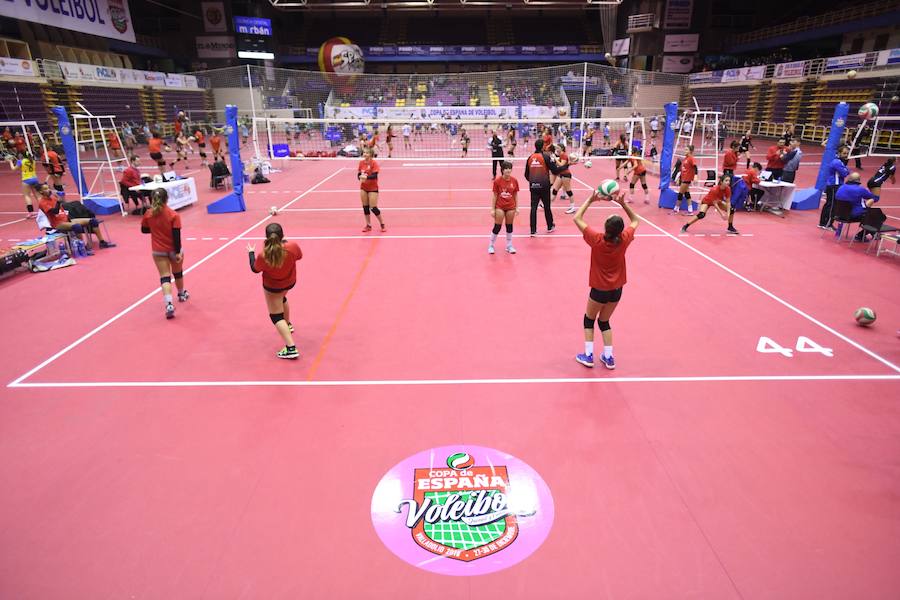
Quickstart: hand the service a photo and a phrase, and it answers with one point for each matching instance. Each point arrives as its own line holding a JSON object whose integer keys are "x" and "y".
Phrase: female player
{"x": 156, "y": 145}
{"x": 216, "y": 143}
{"x": 718, "y": 197}
{"x": 200, "y": 138}
{"x": 607, "y": 274}
{"x": 638, "y": 172}
{"x": 588, "y": 141}
{"x": 730, "y": 159}
{"x": 504, "y": 205}
{"x": 465, "y": 140}
{"x": 564, "y": 179}
{"x": 511, "y": 141}
{"x": 744, "y": 148}
{"x": 164, "y": 226}
{"x": 621, "y": 150}
{"x": 55, "y": 170}
{"x": 25, "y": 164}
{"x": 182, "y": 145}
{"x": 367, "y": 173}
{"x": 278, "y": 265}
{"x": 389, "y": 135}
{"x": 688, "y": 172}
{"x": 886, "y": 171}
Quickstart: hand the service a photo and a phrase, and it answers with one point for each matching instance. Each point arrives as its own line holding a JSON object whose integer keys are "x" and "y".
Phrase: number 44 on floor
{"x": 804, "y": 344}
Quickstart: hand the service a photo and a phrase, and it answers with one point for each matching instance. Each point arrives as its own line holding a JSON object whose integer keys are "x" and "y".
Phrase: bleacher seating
{"x": 123, "y": 103}
{"x": 192, "y": 102}
{"x": 722, "y": 97}
{"x": 23, "y": 102}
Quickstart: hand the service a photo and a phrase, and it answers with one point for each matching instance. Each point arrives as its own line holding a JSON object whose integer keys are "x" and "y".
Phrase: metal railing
{"x": 812, "y": 133}
{"x": 642, "y": 22}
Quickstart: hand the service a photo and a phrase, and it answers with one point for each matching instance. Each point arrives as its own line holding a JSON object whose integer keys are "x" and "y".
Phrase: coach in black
{"x": 537, "y": 171}
{"x": 496, "y": 152}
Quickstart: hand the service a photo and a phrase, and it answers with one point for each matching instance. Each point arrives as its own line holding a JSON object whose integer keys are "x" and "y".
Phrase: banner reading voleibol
{"x": 107, "y": 18}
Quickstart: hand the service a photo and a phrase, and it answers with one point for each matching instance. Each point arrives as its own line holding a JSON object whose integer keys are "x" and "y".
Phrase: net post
{"x": 583, "y": 102}
{"x": 808, "y": 199}
{"x": 667, "y": 197}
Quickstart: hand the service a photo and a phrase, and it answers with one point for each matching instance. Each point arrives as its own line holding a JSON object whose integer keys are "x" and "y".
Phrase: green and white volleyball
{"x": 864, "y": 316}
{"x": 607, "y": 188}
{"x": 460, "y": 461}
{"x": 869, "y": 110}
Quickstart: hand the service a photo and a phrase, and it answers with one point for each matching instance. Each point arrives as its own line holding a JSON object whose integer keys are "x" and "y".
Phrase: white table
{"x": 777, "y": 197}
{"x": 182, "y": 192}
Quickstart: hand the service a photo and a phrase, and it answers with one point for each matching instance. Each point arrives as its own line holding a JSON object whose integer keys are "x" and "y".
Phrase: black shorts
{"x": 566, "y": 175}
{"x": 279, "y": 290}
{"x": 605, "y": 296}
{"x": 202, "y": 145}
{"x": 588, "y": 143}
{"x": 157, "y": 156}
{"x": 874, "y": 183}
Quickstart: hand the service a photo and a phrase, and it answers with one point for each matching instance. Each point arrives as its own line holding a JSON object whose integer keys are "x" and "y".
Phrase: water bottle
{"x": 80, "y": 249}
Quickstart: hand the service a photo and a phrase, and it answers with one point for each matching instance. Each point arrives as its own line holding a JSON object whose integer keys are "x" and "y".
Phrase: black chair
{"x": 842, "y": 214}
{"x": 219, "y": 176}
{"x": 873, "y": 224}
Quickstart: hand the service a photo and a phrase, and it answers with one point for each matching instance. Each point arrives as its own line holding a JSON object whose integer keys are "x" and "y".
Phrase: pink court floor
{"x": 146, "y": 458}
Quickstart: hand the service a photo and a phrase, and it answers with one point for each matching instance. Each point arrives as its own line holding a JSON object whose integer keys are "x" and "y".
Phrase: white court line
{"x": 155, "y": 291}
{"x": 408, "y": 382}
{"x": 455, "y": 236}
{"x": 12, "y": 222}
{"x": 784, "y": 303}
{"x": 486, "y": 189}
{"x": 445, "y": 164}
{"x": 411, "y": 208}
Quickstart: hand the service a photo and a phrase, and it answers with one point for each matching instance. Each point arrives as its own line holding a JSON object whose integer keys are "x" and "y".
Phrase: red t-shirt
{"x": 607, "y": 258}
{"x": 279, "y": 278}
{"x": 506, "y": 193}
{"x": 155, "y": 145}
{"x": 716, "y": 194}
{"x": 638, "y": 165}
{"x": 773, "y": 159}
{"x": 52, "y": 158}
{"x": 19, "y": 141}
{"x": 113, "y": 140}
{"x": 729, "y": 161}
{"x": 548, "y": 141}
{"x": 564, "y": 156}
{"x": 48, "y": 204}
{"x": 130, "y": 177}
{"x": 751, "y": 177}
{"x": 688, "y": 170}
{"x": 215, "y": 141}
{"x": 198, "y": 135}
{"x": 161, "y": 226}
{"x": 368, "y": 168}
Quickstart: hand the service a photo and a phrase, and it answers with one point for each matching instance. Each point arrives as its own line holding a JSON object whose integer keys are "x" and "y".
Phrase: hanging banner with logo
{"x": 439, "y": 113}
{"x": 621, "y": 47}
{"x": 214, "y": 17}
{"x": 791, "y": 69}
{"x": 678, "y": 64}
{"x": 706, "y": 77}
{"x": 106, "y": 18}
{"x": 889, "y": 57}
{"x": 678, "y": 14}
{"x": 685, "y": 42}
{"x": 174, "y": 80}
{"x": 851, "y": 61}
{"x": 744, "y": 74}
{"x": 216, "y": 46}
{"x": 17, "y": 66}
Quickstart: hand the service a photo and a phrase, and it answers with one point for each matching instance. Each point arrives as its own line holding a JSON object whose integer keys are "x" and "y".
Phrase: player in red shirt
{"x": 278, "y": 265}
{"x": 504, "y": 205}
{"x": 200, "y": 138}
{"x": 607, "y": 274}
{"x": 367, "y": 173}
{"x": 718, "y": 197}
{"x": 156, "y": 145}
{"x": 729, "y": 159}
{"x": 389, "y": 135}
{"x": 164, "y": 226}
{"x": 55, "y": 170}
{"x": 688, "y": 172}
{"x": 132, "y": 177}
{"x": 564, "y": 178}
{"x": 58, "y": 216}
{"x": 638, "y": 172}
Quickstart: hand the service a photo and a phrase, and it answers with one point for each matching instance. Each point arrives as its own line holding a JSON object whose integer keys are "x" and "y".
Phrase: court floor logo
{"x": 462, "y": 510}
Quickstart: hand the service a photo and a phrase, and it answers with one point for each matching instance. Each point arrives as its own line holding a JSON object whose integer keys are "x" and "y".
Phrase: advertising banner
{"x": 686, "y": 42}
{"x": 216, "y": 46}
{"x": 17, "y": 66}
{"x": 106, "y": 18}
{"x": 839, "y": 63}
{"x": 790, "y": 69}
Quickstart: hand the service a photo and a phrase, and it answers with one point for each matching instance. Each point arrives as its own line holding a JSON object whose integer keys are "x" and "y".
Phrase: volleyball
{"x": 608, "y": 188}
{"x": 192, "y": 139}
{"x": 851, "y": 74}
{"x": 273, "y": 210}
{"x": 588, "y": 163}
{"x": 864, "y": 316}
{"x": 869, "y": 110}
{"x": 341, "y": 61}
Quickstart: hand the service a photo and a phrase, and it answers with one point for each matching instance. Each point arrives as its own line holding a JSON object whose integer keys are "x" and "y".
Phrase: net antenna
{"x": 100, "y": 151}
{"x": 700, "y": 129}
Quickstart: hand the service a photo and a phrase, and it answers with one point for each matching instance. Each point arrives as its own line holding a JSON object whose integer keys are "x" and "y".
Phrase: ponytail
{"x": 614, "y": 227}
{"x": 274, "y": 251}
{"x": 159, "y": 198}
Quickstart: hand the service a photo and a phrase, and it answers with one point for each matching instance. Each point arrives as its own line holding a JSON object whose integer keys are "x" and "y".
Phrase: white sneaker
{"x": 570, "y": 210}
{"x": 510, "y": 249}
{"x": 491, "y": 249}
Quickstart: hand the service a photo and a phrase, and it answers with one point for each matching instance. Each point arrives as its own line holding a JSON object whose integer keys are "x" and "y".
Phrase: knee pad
{"x": 509, "y": 228}
{"x": 366, "y": 209}
{"x": 631, "y": 186}
{"x": 496, "y": 229}
{"x": 732, "y": 211}
{"x": 570, "y": 193}
{"x": 57, "y": 187}
{"x": 375, "y": 211}
{"x": 164, "y": 280}
{"x": 644, "y": 185}
{"x": 687, "y": 195}
{"x": 276, "y": 317}
{"x": 701, "y": 215}
{"x": 603, "y": 325}
{"x": 77, "y": 228}
{"x": 588, "y": 322}
{"x": 178, "y": 274}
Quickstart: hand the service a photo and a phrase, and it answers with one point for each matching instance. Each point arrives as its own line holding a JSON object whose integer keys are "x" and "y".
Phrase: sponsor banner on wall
{"x": 621, "y": 47}
{"x": 678, "y": 14}
{"x": 106, "y": 18}
{"x": 790, "y": 69}
{"x": 678, "y": 64}
{"x": 706, "y": 77}
{"x": 685, "y": 42}
{"x": 744, "y": 74}
{"x": 889, "y": 57}
{"x": 154, "y": 78}
{"x": 437, "y": 113}
{"x": 214, "y": 17}
{"x": 216, "y": 46}
{"x": 173, "y": 80}
{"x": 839, "y": 63}
{"x": 17, "y": 66}
{"x": 190, "y": 81}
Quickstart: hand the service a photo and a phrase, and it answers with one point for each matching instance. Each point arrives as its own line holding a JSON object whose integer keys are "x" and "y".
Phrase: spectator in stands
{"x": 59, "y": 219}
{"x": 792, "y": 160}
{"x": 7, "y": 139}
{"x": 774, "y": 159}
{"x": 835, "y": 173}
{"x": 131, "y": 177}
{"x": 859, "y": 197}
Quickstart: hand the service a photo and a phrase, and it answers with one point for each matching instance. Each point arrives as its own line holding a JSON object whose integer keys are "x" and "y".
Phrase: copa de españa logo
{"x": 462, "y": 510}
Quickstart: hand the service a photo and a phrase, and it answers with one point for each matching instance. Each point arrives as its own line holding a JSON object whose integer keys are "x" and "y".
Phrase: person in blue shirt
{"x": 859, "y": 198}
{"x": 836, "y": 171}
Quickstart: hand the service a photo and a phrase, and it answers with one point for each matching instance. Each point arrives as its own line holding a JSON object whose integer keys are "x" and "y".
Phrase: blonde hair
{"x": 159, "y": 198}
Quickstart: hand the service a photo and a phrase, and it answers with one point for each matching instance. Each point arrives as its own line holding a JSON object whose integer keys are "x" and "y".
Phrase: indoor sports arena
{"x": 404, "y": 299}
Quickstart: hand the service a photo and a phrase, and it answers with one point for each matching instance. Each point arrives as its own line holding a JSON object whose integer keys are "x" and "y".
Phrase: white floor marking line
{"x": 155, "y": 292}
{"x": 12, "y": 222}
{"x": 408, "y": 382}
{"x": 784, "y": 303}
{"x": 411, "y": 208}
{"x": 486, "y": 190}
{"x": 452, "y": 236}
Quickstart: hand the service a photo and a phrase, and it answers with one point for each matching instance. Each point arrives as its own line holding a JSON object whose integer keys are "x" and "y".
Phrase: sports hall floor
{"x": 145, "y": 458}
